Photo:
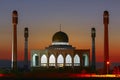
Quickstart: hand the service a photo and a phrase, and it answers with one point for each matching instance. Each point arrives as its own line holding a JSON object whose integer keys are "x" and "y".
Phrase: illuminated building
{"x": 60, "y": 54}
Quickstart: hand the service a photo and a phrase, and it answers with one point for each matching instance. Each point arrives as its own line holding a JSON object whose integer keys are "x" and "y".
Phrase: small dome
{"x": 60, "y": 37}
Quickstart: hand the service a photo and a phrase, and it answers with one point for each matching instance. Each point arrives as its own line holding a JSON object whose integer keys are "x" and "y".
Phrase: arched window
{"x": 35, "y": 60}
{"x": 85, "y": 60}
{"x": 68, "y": 60}
{"x": 44, "y": 60}
{"x": 60, "y": 61}
{"x": 76, "y": 60}
{"x": 52, "y": 60}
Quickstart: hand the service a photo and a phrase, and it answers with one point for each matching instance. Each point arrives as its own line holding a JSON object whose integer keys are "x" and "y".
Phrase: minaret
{"x": 93, "y": 35}
{"x": 14, "y": 40}
{"x": 26, "y": 48}
{"x": 106, "y": 43}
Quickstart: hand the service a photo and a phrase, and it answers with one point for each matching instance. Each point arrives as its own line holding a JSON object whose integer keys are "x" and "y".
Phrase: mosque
{"x": 60, "y": 54}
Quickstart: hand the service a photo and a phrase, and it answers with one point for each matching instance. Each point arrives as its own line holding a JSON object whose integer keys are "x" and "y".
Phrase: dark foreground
{"x": 60, "y": 76}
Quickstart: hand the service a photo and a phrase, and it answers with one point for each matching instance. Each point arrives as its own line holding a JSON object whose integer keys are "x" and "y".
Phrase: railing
{"x": 44, "y": 64}
{"x": 76, "y": 64}
{"x": 68, "y": 64}
{"x": 51, "y": 64}
{"x": 59, "y": 64}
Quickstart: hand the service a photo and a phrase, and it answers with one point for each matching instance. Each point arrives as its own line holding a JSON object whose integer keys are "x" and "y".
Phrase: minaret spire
{"x": 93, "y": 35}
{"x": 106, "y": 42}
{"x": 26, "y": 35}
{"x": 14, "y": 39}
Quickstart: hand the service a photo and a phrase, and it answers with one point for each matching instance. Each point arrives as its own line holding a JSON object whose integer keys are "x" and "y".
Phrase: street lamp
{"x": 108, "y": 66}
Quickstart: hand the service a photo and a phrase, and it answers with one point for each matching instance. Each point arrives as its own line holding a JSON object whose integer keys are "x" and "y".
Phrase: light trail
{"x": 95, "y": 75}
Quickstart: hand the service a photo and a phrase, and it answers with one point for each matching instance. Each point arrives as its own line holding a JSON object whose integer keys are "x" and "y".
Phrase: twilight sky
{"x": 43, "y": 18}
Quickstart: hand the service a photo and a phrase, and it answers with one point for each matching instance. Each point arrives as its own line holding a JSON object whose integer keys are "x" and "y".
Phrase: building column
{"x": 48, "y": 60}
{"x": 64, "y": 60}
{"x": 72, "y": 61}
{"x": 81, "y": 60}
{"x": 39, "y": 60}
{"x": 55, "y": 61}
{"x": 88, "y": 60}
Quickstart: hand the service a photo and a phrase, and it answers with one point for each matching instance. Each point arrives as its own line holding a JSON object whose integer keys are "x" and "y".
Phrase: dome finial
{"x": 60, "y": 27}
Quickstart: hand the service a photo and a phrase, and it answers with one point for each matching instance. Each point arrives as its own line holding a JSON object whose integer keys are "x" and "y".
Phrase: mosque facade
{"x": 60, "y": 54}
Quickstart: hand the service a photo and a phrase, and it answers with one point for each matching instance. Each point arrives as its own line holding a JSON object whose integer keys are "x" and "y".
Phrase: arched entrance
{"x": 76, "y": 60}
{"x": 68, "y": 60}
{"x": 52, "y": 60}
{"x": 44, "y": 60}
{"x": 85, "y": 60}
{"x": 60, "y": 61}
{"x": 35, "y": 60}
